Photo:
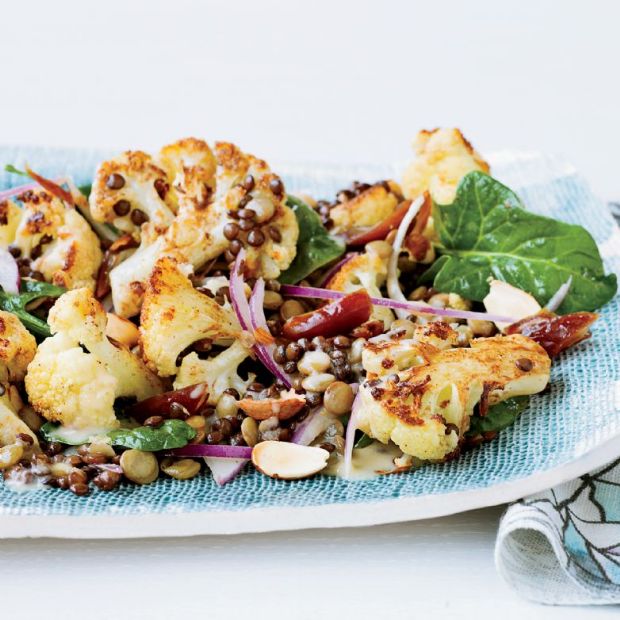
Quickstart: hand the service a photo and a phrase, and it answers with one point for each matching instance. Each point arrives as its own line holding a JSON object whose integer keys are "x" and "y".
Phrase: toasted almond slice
{"x": 283, "y": 408}
{"x": 122, "y": 330}
{"x": 507, "y": 300}
{"x": 288, "y": 461}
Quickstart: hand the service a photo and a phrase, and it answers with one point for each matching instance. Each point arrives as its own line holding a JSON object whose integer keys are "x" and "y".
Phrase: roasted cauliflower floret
{"x": 443, "y": 158}
{"x": 365, "y": 271}
{"x": 17, "y": 348}
{"x": 10, "y": 216}
{"x": 57, "y": 239}
{"x": 11, "y": 424}
{"x": 386, "y": 356}
{"x": 67, "y": 385}
{"x": 175, "y": 315}
{"x": 367, "y": 208}
{"x": 77, "y": 374}
{"x": 219, "y": 372}
{"x": 131, "y": 190}
{"x": 208, "y": 191}
{"x": 427, "y": 410}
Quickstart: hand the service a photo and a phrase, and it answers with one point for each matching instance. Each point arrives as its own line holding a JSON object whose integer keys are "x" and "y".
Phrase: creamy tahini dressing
{"x": 367, "y": 462}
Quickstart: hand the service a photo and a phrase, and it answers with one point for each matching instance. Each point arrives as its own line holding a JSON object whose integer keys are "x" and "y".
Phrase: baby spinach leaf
{"x": 13, "y": 170}
{"x": 315, "y": 246}
{"x": 486, "y": 233}
{"x": 363, "y": 442}
{"x": 171, "y": 434}
{"x": 29, "y": 291}
{"x": 499, "y": 416}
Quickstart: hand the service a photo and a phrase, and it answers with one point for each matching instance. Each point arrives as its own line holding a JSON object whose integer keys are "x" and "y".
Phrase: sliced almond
{"x": 507, "y": 300}
{"x": 282, "y": 408}
{"x": 288, "y": 461}
{"x": 122, "y": 330}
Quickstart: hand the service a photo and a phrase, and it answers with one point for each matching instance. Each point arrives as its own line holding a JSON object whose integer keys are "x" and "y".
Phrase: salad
{"x": 184, "y": 316}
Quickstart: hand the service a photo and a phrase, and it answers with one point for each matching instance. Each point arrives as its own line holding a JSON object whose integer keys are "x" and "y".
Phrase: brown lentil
{"x": 107, "y": 480}
{"x": 79, "y": 489}
{"x": 246, "y": 225}
{"x": 115, "y": 181}
{"x": 275, "y": 234}
{"x": 122, "y": 207}
{"x": 279, "y": 354}
{"x": 247, "y": 214}
{"x": 524, "y": 364}
{"x": 161, "y": 187}
{"x": 231, "y": 231}
{"x": 275, "y": 185}
{"x": 248, "y": 183}
{"x": 293, "y": 352}
{"x": 138, "y": 217}
{"x": 256, "y": 237}
{"x": 77, "y": 476}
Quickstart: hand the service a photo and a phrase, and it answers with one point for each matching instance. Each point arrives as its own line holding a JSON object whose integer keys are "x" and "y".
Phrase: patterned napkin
{"x": 563, "y": 546}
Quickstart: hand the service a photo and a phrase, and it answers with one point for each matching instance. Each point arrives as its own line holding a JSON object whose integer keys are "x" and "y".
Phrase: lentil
{"x": 256, "y": 237}
{"x": 524, "y": 364}
{"x": 139, "y": 467}
{"x": 275, "y": 234}
{"x": 183, "y": 469}
{"x": 338, "y": 398}
{"x": 154, "y": 421}
{"x": 231, "y": 231}
{"x": 291, "y": 308}
{"x": 272, "y": 300}
{"x": 107, "y": 480}
{"x": 115, "y": 181}
{"x": 249, "y": 431}
{"x": 122, "y": 207}
{"x": 138, "y": 217}
{"x": 248, "y": 183}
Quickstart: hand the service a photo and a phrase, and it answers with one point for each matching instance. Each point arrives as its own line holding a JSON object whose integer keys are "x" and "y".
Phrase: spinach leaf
{"x": 13, "y": 170}
{"x": 486, "y": 233}
{"x": 363, "y": 442}
{"x": 30, "y": 290}
{"x": 171, "y": 434}
{"x": 499, "y": 416}
{"x": 315, "y": 246}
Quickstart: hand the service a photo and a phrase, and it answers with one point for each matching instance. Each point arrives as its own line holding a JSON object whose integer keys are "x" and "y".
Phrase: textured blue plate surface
{"x": 578, "y": 415}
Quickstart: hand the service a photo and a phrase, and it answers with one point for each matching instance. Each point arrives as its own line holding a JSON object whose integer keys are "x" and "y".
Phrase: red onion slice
{"x": 217, "y": 451}
{"x": 349, "y": 441}
{"x": 225, "y": 462}
{"x": 264, "y": 349}
{"x": 237, "y": 294}
{"x": 9, "y": 272}
{"x": 225, "y": 470}
{"x": 412, "y": 306}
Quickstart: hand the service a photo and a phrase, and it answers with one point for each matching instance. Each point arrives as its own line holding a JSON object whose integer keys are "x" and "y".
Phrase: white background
{"x": 302, "y": 81}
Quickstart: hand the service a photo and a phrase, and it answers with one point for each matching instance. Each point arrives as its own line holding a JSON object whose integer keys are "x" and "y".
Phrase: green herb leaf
{"x": 363, "y": 442}
{"x": 171, "y": 434}
{"x": 30, "y": 290}
{"x": 86, "y": 189}
{"x": 499, "y": 416}
{"x": 486, "y": 233}
{"x": 315, "y": 246}
{"x": 13, "y": 170}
